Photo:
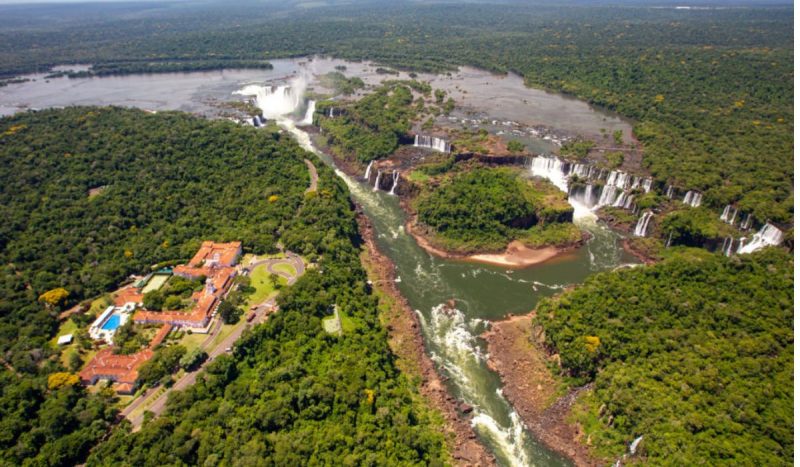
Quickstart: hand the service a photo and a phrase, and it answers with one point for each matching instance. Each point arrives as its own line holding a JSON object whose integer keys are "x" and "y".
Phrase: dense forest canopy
{"x": 170, "y": 181}
{"x": 694, "y": 353}
{"x": 710, "y": 89}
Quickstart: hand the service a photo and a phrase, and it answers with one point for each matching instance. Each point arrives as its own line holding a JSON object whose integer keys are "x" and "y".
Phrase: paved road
{"x": 312, "y": 172}
{"x": 158, "y": 405}
{"x": 291, "y": 258}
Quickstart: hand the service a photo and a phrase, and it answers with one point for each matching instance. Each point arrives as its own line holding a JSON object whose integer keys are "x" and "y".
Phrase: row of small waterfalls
{"x": 588, "y": 187}
{"x": 592, "y": 188}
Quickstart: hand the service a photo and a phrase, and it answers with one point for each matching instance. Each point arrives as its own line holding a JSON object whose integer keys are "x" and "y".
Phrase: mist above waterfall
{"x": 277, "y": 102}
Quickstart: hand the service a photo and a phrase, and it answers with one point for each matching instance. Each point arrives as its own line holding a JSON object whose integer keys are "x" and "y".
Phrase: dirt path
{"x": 405, "y": 340}
{"x": 532, "y": 389}
{"x": 312, "y": 172}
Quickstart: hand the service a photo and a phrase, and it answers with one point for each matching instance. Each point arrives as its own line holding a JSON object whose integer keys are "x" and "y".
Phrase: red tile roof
{"x": 225, "y": 254}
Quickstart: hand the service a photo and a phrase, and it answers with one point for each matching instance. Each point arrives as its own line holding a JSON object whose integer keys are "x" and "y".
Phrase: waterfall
{"x": 583, "y": 194}
{"x": 551, "y": 168}
{"x": 432, "y": 142}
{"x": 727, "y": 246}
{"x": 692, "y": 198}
{"x": 395, "y": 179}
{"x": 641, "y": 226}
{"x": 747, "y": 223}
{"x": 369, "y": 171}
{"x": 277, "y": 101}
{"x": 309, "y": 117}
{"x": 647, "y": 184}
{"x": 608, "y": 195}
{"x": 635, "y": 444}
{"x": 330, "y": 112}
{"x": 729, "y": 215}
{"x": 377, "y": 181}
{"x": 670, "y": 191}
{"x": 669, "y": 241}
{"x": 769, "y": 235}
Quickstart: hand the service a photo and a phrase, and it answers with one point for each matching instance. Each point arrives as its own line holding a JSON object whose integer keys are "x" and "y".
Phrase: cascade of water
{"x": 768, "y": 235}
{"x": 724, "y": 216}
{"x": 608, "y": 195}
{"x": 395, "y": 179}
{"x": 620, "y": 201}
{"x": 309, "y": 117}
{"x": 431, "y": 142}
{"x": 669, "y": 241}
{"x": 629, "y": 201}
{"x": 692, "y": 198}
{"x": 256, "y": 122}
{"x": 369, "y": 171}
{"x": 732, "y": 219}
{"x": 670, "y": 191}
{"x": 641, "y": 225}
{"x": 647, "y": 184}
{"x": 727, "y": 246}
{"x": 747, "y": 223}
{"x": 550, "y": 168}
{"x": 378, "y": 181}
{"x": 330, "y": 112}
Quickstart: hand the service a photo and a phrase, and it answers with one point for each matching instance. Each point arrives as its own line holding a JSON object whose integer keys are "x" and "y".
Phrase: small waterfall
{"x": 769, "y": 235}
{"x": 670, "y": 191}
{"x": 330, "y": 112}
{"x": 369, "y": 171}
{"x": 432, "y": 142}
{"x": 377, "y": 181}
{"x": 310, "y": 109}
{"x": 727, "y": 246}
{"x": 256, "y": 122}
{"x": 747, "y": 223}
{"x": 669, "y": 241}
{"x": 641, "y": 226}
{"x": 647, "y": 185}
{"x": 729, "y": 215}
{"x": 608, "y": 195}
{"x": 395, "y": 179}
{"x": 692, "y": 198}
{"x": 635, "y": 444}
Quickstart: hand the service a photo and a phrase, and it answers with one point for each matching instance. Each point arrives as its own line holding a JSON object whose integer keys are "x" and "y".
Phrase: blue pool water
{"x": 112, "y": 323}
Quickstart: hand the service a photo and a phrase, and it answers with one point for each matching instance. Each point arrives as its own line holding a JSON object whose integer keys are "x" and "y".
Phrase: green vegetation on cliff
{"x": 694, "y": 354}
{"x": 482, "y": 209}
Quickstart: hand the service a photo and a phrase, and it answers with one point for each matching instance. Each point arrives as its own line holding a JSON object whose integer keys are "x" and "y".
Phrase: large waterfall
{"x": 278, "y": 101}
{"x": 641, "y": 225}
{"x": 617, "y": 190}
{"x": 768, "y": 235}
{"x": 431, "y": 142}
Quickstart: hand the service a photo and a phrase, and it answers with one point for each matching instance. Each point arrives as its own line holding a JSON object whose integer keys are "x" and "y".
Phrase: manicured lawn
{"x": 192, "y": 341}
{"x": 259, "y": 279}
{"x": 285, "y": 267}
{"x": 67, "y": 327}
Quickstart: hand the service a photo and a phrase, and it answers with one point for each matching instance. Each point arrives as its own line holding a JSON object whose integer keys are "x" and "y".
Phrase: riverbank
{"x": 529, "y": 385}
{"x": 406, "y": 342}
{"x": 515, "y": 256}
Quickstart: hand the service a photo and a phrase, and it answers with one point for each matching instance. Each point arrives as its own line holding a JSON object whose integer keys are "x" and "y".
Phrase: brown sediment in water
{"x": 405, "y": 340}
{"x": 532, "y": 390}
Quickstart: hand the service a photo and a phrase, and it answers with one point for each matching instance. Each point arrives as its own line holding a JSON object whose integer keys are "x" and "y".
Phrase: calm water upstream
{"x": 481, "y": 292}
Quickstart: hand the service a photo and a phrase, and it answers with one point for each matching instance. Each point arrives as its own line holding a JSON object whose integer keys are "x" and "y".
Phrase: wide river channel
{"x": 481, "y": 292}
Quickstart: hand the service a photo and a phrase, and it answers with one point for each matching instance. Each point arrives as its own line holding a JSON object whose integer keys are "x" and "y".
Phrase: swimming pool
{"x": 112, "y": 323}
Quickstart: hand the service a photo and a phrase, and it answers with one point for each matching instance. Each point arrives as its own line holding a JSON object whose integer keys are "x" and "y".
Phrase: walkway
{"x": 312, "y": 172}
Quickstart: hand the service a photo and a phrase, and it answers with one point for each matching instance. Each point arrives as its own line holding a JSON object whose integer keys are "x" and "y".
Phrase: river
{"x": 481, "y": 292}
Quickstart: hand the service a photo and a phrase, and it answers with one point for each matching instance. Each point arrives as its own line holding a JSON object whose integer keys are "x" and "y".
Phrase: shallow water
{"x": 500, "y": 97}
